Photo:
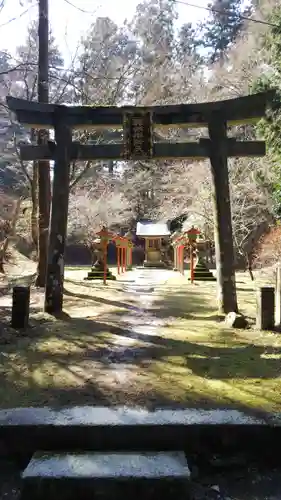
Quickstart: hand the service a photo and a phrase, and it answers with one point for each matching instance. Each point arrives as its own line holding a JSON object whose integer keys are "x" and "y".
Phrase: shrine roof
{"x": 149, "y": 229}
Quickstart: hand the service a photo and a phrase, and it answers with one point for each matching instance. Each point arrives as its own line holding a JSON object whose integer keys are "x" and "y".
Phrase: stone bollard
{"x": 278, "y": 296}
{"x": 20, "y": 307}
{"x": 265, "y": 308}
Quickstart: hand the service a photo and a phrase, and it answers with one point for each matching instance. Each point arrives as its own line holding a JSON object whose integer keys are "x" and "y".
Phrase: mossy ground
{"x": 187, "y": 357}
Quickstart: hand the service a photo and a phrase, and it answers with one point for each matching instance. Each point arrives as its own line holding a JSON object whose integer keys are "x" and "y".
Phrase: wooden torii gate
{"x": 137, "y": 124}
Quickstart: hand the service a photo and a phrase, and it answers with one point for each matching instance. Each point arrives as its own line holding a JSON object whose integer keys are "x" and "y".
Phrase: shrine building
{"x": 156, "y": 236}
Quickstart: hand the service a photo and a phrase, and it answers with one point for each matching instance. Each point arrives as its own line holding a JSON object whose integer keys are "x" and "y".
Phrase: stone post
{"x": 20, "y": 307}
{"x": 265, "y": 308}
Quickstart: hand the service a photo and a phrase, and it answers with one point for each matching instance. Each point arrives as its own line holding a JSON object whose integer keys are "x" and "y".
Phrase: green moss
{"x": 92, "y": 355}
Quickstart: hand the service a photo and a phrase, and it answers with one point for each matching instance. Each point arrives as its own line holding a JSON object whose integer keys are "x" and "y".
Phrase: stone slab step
{"x": 122, "y": 428}
{"x": 108, "y": 475}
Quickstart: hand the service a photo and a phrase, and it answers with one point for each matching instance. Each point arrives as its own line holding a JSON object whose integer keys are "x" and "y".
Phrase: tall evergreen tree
{"x": 154, "y": 26}
{"x": 23, "y": 83}
{"x": 222, "y": 26}
{"x": 188, "y": 43}
{"x": 27, "y": 57}
{"x": 154, "y": 29}
{"x": 270, "y": 127}
{"x": 105, "y": 64}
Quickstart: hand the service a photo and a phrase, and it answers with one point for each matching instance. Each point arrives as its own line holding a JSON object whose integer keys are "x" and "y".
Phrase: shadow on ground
{"x": 173, "y": 353}
{"x": 101, "y": 300}
{"x": 77, "y": 361}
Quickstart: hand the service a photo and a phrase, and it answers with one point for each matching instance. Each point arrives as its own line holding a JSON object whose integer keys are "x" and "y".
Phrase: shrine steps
{"x": 196, "y": 432}
{"x": 110, "y": 476}
{"x": 202, "y": 273}
{"x": 98, "y": 274}
{"x": 155, "y": 265}
{"x": 98, "y": 452}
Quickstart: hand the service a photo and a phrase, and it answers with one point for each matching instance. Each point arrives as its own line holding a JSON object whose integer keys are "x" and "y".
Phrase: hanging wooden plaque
{"x": 137, "y": 126}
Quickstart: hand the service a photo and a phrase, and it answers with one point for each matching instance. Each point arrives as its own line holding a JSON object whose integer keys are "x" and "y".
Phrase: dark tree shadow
{"x": 101, "y": 300}
{"x": 100, "y": 343}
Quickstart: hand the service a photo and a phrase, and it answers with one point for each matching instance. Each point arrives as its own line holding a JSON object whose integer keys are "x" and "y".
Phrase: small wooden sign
{"x": 137, "y": 135}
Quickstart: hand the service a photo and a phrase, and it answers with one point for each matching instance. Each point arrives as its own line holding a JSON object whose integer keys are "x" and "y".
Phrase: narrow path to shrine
{"x": 137, "y": 322}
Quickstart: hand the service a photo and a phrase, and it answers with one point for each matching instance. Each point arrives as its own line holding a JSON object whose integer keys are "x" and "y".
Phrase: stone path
{"x": 138, "y": 322}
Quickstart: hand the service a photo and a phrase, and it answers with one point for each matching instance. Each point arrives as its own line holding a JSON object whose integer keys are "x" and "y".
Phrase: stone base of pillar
{"x": 97, "y": 272}
{"x": 202, "y": 273}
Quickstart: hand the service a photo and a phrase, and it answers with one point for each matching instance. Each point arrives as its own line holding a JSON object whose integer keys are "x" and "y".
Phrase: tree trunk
{"x": 34, "y": 209}
{"x": 110, "y": 167}
{"x": 227, "y": 299}
{"x": 3, "y": 251}
{"x": 92, "y": 251}
{"x": 2, "y": 270}
{"x": 44, "y": 190}
{"x": 249, "y": 266}
{"x": 5, "y": 244}
{"x": 278, "y": 295}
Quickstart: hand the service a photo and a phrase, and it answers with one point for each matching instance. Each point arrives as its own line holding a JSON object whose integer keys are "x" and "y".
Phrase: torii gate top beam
{"x": 240, "y": 110}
